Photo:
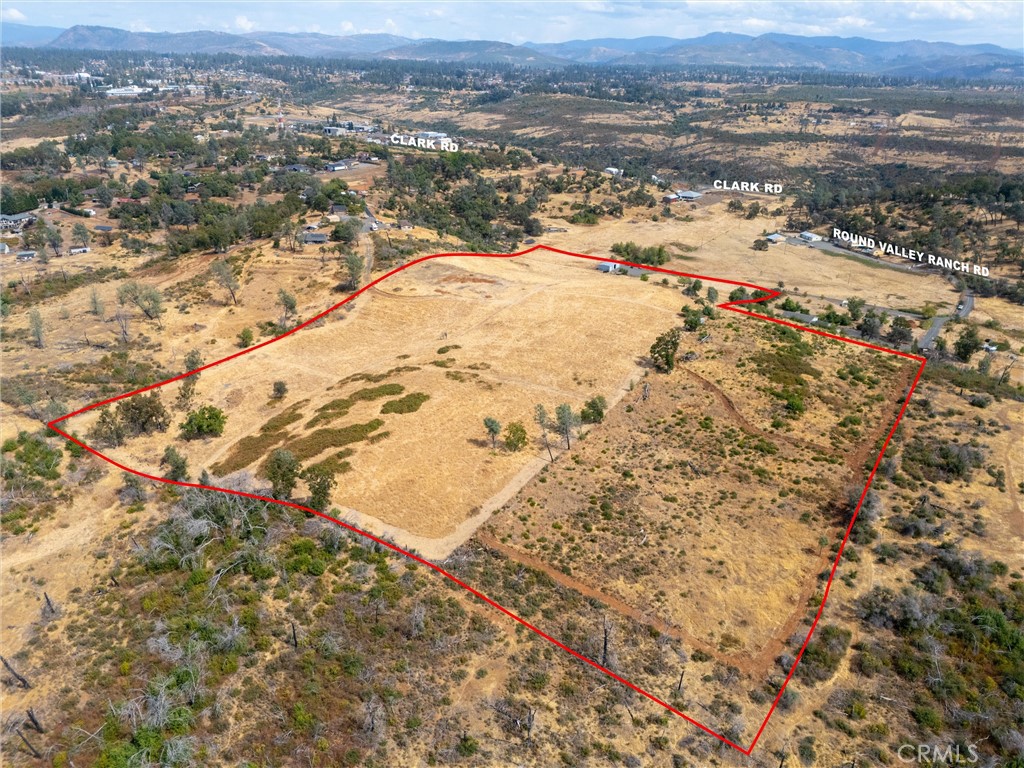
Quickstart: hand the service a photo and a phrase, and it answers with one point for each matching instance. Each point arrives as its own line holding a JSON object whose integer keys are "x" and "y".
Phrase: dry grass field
{"x": 478, "y": 337}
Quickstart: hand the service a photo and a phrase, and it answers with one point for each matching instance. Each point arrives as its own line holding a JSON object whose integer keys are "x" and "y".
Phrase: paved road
{"x": 963, "y": 310}
{"x": 827, "y": 247}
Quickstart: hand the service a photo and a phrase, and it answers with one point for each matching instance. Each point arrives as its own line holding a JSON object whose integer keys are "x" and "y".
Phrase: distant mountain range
{"x": 915, "y": 58}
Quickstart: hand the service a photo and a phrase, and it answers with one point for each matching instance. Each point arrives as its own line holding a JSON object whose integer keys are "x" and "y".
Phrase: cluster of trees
{"x": 473, "y": 210}
{"x": 630, "y": 251}
{"x": 566, "y": 421}
{"x": 284, "y": 471}
{"x": 44, "y": 155}
{"x": 145, "y": 414}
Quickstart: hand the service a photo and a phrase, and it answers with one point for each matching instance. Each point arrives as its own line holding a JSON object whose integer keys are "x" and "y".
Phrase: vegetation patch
{"x": 408, "y": 404}
{"x": 321, "y": 440}
{"x": 342, "y": 405}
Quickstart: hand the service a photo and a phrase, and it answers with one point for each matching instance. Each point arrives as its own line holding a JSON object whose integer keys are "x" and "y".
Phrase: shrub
{"x": 594, "y": 410}
{"x": 515, "y": 436}
{"x": 207, "y": 421}
{"x": 280, "y": 390}
{"x": 143, "y": 414}
{"x": 177, "y": 465}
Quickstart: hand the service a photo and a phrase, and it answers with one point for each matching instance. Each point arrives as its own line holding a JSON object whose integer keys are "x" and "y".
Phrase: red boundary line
{"x": 731, "y": 306}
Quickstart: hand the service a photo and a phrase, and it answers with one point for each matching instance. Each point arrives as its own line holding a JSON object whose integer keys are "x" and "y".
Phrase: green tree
{"x": 493, "y": 427}
{"x": 95, "y": 304}
{"x": 663, "y": 350}
{"x": 80, "y": 234}
{"x": 143, "y": 414}
{"x": 145, "y": 297}
{"x": 288, "y": 305}
{"x": 967, "y": 344}
{"x": 320, "y": 482}
{"x": 225, "y": 277}
{"x": 109, "y": 430}
{"x": 35, "y": 325}
{"x": 738, "y": 294}
{"x": 594, "y": 410}
{"x": 177, "y": 465}
{"x": 187, "y": 388}
{"x": 567, "y": 420}
{"x": 760, "y": 244}
{"x": 515, "y": 436}
{"x": 712, "y": 294}
{"x": 282, "y": 469}
{"x": 205, "y": 421}
{"x": 900, "y": 332}
{"x": 54, "y": 239}
{"x": 105, "y": 196}
{"x": 355, "y": 265}
{"x": 871, "y": 326}
{"x": 855, "y": 307}
{"x": 279, "y": 391}
{"x": 245, "y": 338}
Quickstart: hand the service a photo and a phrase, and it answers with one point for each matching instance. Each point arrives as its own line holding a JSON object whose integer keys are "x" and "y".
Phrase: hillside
{"x": 911, "y": 58}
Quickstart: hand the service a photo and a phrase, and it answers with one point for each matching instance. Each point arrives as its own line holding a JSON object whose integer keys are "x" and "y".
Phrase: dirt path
{"x": 743, "y": 663}
{"x": 727, "y": 403}
{"x": 760, "y": 662}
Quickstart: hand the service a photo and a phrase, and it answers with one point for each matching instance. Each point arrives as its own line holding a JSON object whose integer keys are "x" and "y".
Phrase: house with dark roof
{"x": 314, "y": 238}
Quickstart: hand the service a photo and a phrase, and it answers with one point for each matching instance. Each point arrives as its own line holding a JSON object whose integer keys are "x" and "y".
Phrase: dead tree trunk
{"x": 295, "y": 637}
{"x": 49, "y": 605}
{"x": 33, "y": 750}
{"x": 604, "y": 648}
{"x": 34, "y": 720}
{"x": 21, "y": 680}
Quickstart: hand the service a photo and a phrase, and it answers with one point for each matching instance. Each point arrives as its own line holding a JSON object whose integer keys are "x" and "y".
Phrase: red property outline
{"x": 731, "y": 306}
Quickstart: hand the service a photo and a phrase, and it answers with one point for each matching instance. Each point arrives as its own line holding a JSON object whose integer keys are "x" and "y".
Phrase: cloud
{"x": 848, "y": 22}
{"x": 347, "y": 28}
{"x": 12, "y": 14}
{"x": 244, "y": 24}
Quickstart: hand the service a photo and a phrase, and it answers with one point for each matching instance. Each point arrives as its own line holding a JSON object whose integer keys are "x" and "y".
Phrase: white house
{"x": 5, "y": 248}
{"x": 810, "y": 237}
{"x": 613, "y": 171}
{"x": 776, "y": 238}
{"x": 608, "y": 266}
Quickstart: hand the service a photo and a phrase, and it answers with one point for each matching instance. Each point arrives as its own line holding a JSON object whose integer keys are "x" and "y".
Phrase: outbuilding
{"x": 314, "y": 238}
{"x": 687, "y": 194}
{"x": 776, "y": 238}
{"x": 810, "y": 237}
{"x": 26, "y": 255}
{"x": 608, "y": 266}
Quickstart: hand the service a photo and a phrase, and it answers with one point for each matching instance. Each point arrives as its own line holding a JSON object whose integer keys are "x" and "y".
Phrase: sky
{"x": 959, "y": 21}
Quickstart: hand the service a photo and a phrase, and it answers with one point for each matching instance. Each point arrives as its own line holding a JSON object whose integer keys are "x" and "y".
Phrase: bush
{"x": 280, "y": 390}
{"x": 594, "y": 410}
{"x": 143, "y": 414}
{"x": 177, "y": 465}
{"x": 207, "y": 421}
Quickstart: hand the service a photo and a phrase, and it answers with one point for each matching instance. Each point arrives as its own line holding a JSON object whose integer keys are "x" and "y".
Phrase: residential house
{"x": 810, "y": 237}
{"x": 314, "y": 238}
{"x": 16, "y": 222}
